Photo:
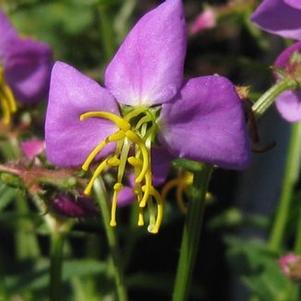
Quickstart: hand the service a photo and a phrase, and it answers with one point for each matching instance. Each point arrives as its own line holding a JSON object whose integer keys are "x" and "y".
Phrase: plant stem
{"x": 297, "y": 247}
{"x": 269, "y": 97}
{"x": 289, "y": 181}
{"x": 112, "y": 241}
{"x": 56, "y": 263}
{"x": 191, "y": 234}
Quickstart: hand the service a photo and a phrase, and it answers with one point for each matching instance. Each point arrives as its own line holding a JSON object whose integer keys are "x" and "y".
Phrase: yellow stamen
{"x": 114, "y": 161}
{"x": 114, "y": 137}
{"x": 154, "y": 193}
{"x": 145, "y": 155}
{"x": 120, "y": 122}
{"x": 134, "y": 161}
{"x": 96, "y": 173}
{"x": 148, "y": 186}
{"x": 117, "y": 188}
{"x": 134, "y": 113}
{"x": 7, "y": 100}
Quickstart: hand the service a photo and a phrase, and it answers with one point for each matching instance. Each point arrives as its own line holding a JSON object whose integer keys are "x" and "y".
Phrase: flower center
{"x": 133, "y": 139}
{"x": 7, "y": 100}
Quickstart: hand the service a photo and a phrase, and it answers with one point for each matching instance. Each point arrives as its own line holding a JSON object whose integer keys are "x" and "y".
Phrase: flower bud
{"x": 69, "y": 206}
{"x": 290, "y": 266}
{"x": 205, "y": 20}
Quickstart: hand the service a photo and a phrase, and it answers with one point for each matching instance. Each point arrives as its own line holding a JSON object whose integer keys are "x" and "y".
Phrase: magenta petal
{"x": 206, "y": 123}
{"x": 7, "y": 33}
{"x": 289, "y": 105}
{"x": 148, "y": 67}
{"x": 161, "y": 163}
{"x": 32, "y": 148}
{"x": 126, "y": 196}
{"x": 294, "y": 3}
{"x": 278, "y": 17}
{"x": 27, "y": 68}
{"x": 69, "y": 140}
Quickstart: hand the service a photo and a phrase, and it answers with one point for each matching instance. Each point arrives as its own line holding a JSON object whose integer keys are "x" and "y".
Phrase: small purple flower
{"x": 205, "y": 20}
{"x": 289, "y": 102}
{"x": 145, "y": 103}
{"x": 25, "y": 67}
{"x": 68, "y": 206}
{"x": 281, "y": 17}
{"x": 32, "y": 148}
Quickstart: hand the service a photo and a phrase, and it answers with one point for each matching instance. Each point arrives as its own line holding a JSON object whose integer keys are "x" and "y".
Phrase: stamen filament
{"x": 120, "y": 122}
{"x": 148, "y": 186}
{"x": 134, "y": 161}
{"x": 96, "y": 173}
{"x": 155, "y": 228}
{"x": 145, "y": 165}
{"x": 117, "y": 188}
{"x": 114, "y": 137}
{"x": 134, "y": 113}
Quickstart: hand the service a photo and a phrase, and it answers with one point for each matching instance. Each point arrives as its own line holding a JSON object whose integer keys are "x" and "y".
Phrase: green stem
{"x": 191, "y": 234}
{"x": 56, "y": 264}
{"x": 297, "y": 247}
{"x": 112, "y": 241}
{"x": 289, "y": 181}
{"x": 269, "y": 97}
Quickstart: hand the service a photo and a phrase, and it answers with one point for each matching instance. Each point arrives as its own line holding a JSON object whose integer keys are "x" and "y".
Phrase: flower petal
{"x": 126, "y": 196}
{"x": 148, "y": 67}
{"x": 288, "y": 103}
{"x": 161, "y": 163}
{"x": 7, "y": 33}
{"x": 27, "y": 68}
{"x": 206, "y": 123}
{"x": 293, "y": 3}
{"x": 69, "y": 140}
{"x": 278, "y": 17}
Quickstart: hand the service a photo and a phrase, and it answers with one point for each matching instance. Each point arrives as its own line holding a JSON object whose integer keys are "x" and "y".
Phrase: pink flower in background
{"x": 32, "y": 148}
{"x": 205, "y": 20}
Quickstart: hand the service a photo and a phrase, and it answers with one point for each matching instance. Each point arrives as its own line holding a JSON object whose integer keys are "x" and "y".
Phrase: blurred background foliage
{"x": 85, "y": 33}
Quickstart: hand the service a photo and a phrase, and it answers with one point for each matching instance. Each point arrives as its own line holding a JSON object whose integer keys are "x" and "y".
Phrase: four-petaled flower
{"x": 145, "y": 102}
{"x": 25, "y": 67}
{"x": 281, "y": 17}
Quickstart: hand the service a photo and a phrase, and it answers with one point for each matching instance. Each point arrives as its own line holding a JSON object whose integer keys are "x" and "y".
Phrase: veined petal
{"x": 278, "y": 17}
{"x": 293, "y": 3}
{"x": 27, "y": 68}
{"x": 7, "y": 33}
{"x": 148, "y": 67}
{"x": 69, "y": 140}
{"x": 206, "y": 123}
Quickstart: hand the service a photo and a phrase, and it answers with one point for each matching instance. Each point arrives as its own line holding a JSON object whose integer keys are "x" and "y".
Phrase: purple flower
{"x": 32, "y": 148}
{"x": 25, "y": 67}
{"x": 68, "y": 206}
{"x": 145, "y": 102}
{"x": 289, "y": 102}
{"x": 281, "y": 17}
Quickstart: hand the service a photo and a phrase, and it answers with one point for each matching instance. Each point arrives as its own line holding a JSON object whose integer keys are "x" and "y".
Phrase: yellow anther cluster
{"x": 131, "y": 137}
{"x": 7, "y": 100}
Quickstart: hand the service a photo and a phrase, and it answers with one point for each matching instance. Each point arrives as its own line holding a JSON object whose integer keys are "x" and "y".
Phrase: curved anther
{"x": 114, "y": 137}
{"x": 147, "y": 190}
{"x": 154, "y": 193}
{"x": 120, "y": 122}
{"x": 117, "y": 188}
{"x": 114, "y": 161}
{"x": 96, "y": 173}
{"x": 145, "y": 155}
{"x": 134, "y": 161}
